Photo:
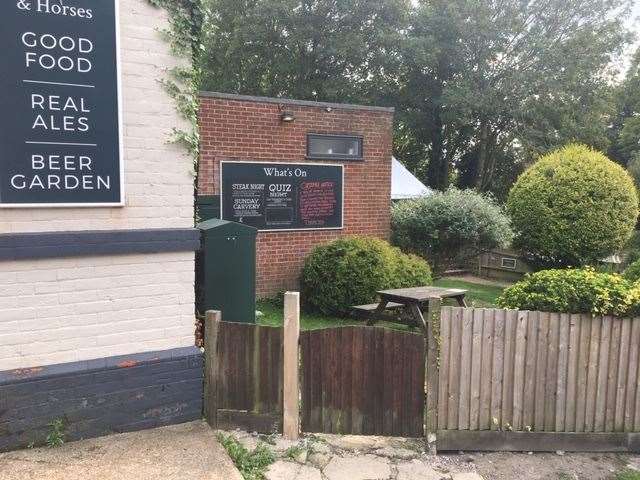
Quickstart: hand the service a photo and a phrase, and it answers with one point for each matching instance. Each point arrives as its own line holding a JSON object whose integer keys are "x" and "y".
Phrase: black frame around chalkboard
{"x": 312, "y": 166}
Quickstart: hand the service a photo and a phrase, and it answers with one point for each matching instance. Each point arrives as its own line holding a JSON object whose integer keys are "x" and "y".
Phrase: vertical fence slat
{"x": 388, "y": 374}
{"x": 455, "y": 379}
{"x": 486, "y": 374}
{"x": 632, "y": 377}
{"x": 378, "y": 398}
{"x": 397, "y": 382}
{"x": 465, "y": 369}
{"x": 542, "y": 357}
{"x": 357, "y": 419}
{"x": 476, "y": 368}
{"x": 623, "y": 371}
{"x": 445, "y": 361}
{"x": 587, "y": 325}
{"x": 551, "y": 376}
{"x": 336, "y": 386}
{"x": 612, "y": 380}
{"x": 522, "y": 327}
{"x": 528, "y": 413}
{"x": 511, "y": 324}
{"x": 592, "y": 374}
{"x": 572, "y": 373}
{"x": 564, "y": 346}
{"x": 603, "y": 375}
{"x": 346, "y": 379}
{"x": 498, "y": 366}
{"x": 328, "y": 372}
{"x": 250, "y": 364}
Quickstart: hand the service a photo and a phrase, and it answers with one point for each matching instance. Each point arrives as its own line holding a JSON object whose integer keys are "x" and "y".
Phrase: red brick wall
{"x": 237, "y": 128}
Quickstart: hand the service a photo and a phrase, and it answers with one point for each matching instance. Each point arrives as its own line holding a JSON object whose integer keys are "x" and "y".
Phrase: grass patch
{"x": 628, "y": 475}
{"x": 273, "y": 316}
{"x": 252, "y": 465}
{"x": 483, "y": 296}
{"x": 478, "y": 295}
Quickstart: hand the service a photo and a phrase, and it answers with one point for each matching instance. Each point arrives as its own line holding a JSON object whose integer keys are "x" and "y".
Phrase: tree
{"x": 314, "y": 50}
{"x": 573, "y": 207}
{"x": 449, "y": 227}
{"x": 625, "y": 129}
{"x": 486, "y": 82}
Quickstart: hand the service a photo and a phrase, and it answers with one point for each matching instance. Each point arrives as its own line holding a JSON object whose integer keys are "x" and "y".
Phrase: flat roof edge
{"x": 289, "y": 101}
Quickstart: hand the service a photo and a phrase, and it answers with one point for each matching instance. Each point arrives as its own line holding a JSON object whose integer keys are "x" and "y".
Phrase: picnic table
{"x": 411, "y": 301}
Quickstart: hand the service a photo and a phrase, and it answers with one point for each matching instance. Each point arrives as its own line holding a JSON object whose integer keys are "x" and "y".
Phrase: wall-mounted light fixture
{"x": 287, "y": 117}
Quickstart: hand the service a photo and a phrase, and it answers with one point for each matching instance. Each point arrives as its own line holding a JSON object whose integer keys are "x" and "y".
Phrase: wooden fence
{"x": 502, "y": 380}
{"x": 362, "y": 380}
{"x": 243, "y": 376}
{"x": 509, "y": 371}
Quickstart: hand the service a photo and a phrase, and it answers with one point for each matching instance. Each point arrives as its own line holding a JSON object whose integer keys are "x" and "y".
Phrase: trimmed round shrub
{"x": 449, "y": 227}
{"x": 350, "y": 270}
{"x": 572, "y": 291}
{"x": 632, "y": 273}
{"x": 573, "y": 207}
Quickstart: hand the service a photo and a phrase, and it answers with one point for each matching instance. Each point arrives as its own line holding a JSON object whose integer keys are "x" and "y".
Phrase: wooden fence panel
{"x": 363, "y": 380}
{"x": 248, "y": 366}
{"x": 538, "y": 372}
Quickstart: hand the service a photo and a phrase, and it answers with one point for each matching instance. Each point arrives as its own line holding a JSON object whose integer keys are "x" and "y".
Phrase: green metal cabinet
{"x": 227, "y": 270}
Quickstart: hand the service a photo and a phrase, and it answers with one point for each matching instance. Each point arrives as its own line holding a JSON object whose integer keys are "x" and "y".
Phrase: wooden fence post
{"x": 432, "y": 340}
{"x": 211, "y": 328}
{"x": 291, "y": 390}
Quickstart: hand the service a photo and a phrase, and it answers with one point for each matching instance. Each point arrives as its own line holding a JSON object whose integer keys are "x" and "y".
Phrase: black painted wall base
{"x": 100, "y": 397}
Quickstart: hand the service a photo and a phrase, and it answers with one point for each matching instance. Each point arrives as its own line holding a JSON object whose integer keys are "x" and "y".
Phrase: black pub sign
{"x": 60, "y": 128}
{"x": 282, "y": 196}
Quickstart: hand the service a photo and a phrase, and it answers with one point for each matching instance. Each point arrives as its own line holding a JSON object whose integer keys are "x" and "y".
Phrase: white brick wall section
{"x": 67, "y": 310}
{"x": 158, "y": 174}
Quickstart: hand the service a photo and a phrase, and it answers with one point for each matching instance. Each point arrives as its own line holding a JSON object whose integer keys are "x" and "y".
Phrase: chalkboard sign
{"x": 60, "y": 129}
{"x": 282, "y": 196}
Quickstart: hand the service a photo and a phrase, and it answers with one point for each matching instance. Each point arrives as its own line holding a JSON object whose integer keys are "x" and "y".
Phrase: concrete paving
{"x": 181, "y": 452}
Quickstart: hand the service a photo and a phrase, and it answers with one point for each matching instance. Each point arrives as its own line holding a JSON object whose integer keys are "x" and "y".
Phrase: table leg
{"x": 373, "y": 317}
{"x": 461, "y": 301}
{"x": 414, "y": 308}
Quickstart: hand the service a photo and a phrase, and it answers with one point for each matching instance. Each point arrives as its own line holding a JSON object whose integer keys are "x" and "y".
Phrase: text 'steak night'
{"x": 60, "y": 134}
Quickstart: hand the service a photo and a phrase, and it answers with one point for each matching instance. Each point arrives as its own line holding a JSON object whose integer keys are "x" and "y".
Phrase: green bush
{"x": 573, "y": 291}
{"x": 448, "y": 227}
{"x": 573, "y": 208}
{"x": 350, "y": 270}
{"x": 632, "y": 273}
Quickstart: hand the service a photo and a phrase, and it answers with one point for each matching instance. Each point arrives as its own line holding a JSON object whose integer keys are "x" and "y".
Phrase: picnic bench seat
{"x": 373, "y": 306}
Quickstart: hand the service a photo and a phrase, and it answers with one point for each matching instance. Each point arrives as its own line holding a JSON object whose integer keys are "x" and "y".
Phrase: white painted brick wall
{"x": 72, "y": 309}
{"x": 158, "y": 174}
{"x": 65, "y": 310}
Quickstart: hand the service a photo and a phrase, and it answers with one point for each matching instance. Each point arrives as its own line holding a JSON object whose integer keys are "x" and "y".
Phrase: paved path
{"x": 351, "y": 457}
{"x": 182, "y": 452}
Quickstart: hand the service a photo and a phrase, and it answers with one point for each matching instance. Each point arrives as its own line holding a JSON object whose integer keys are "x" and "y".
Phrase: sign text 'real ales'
{"x": 60, "y": 131}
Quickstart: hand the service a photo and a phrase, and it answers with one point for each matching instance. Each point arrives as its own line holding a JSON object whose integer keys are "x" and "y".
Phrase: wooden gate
{"x": 363, "y": 380}
{"x": 512, "y": 380}
{"x": 243, "y": 376}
